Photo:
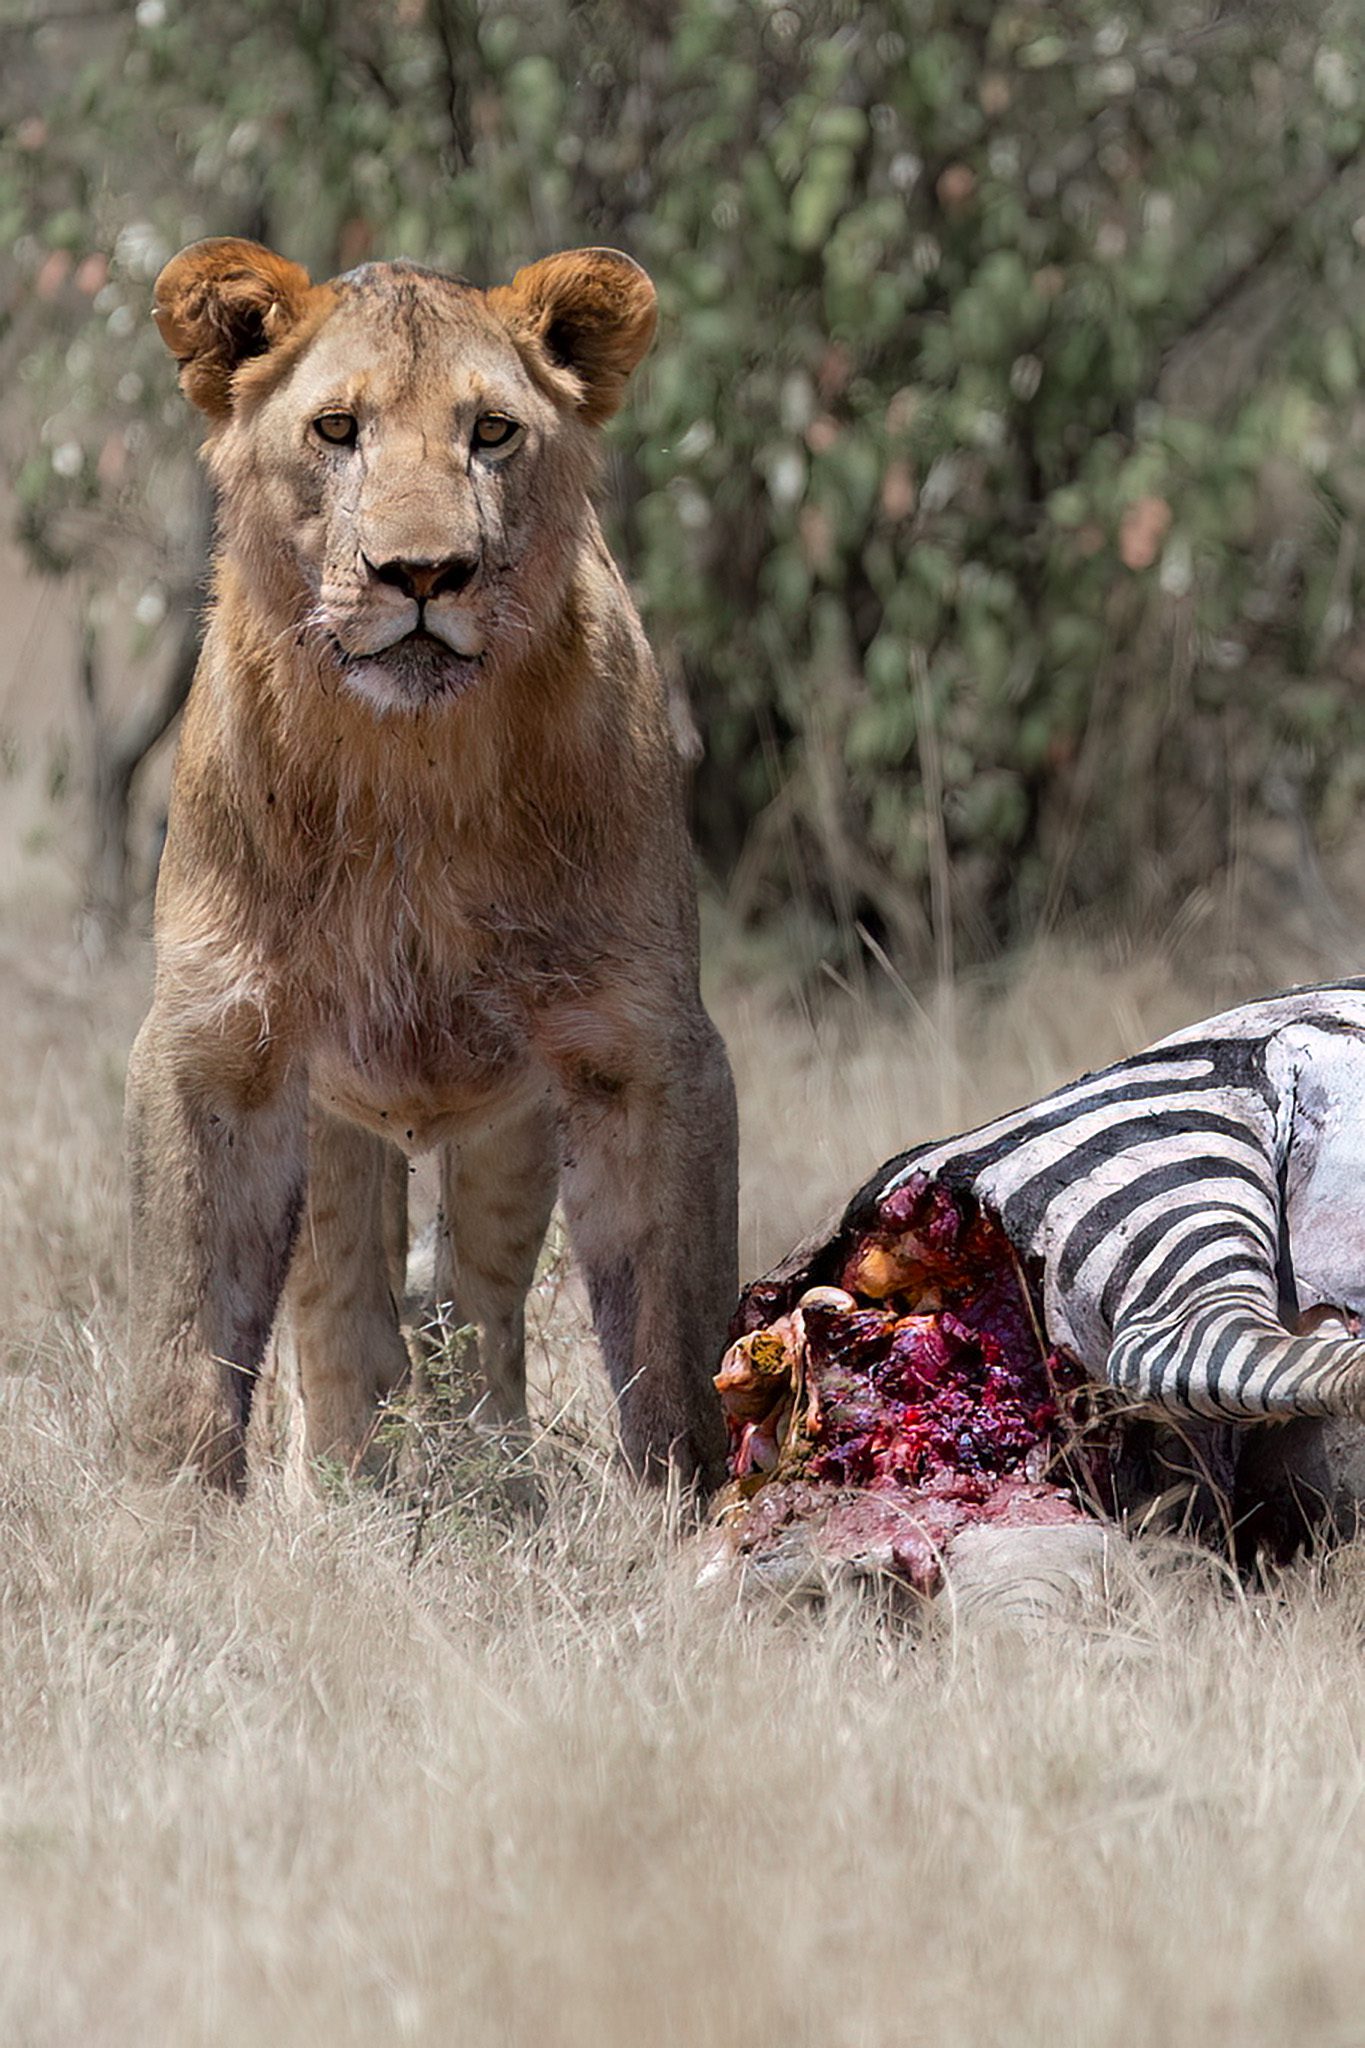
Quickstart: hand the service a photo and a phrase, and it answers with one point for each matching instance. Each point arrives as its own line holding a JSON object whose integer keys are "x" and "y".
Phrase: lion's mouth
{"x": 414, "y": 670}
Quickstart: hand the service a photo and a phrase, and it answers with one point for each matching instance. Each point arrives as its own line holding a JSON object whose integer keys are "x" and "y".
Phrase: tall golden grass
{"x": 314, "y": 1773}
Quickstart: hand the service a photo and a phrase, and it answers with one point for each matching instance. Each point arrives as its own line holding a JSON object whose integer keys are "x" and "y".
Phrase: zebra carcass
{"x": 1091, "y": 1307}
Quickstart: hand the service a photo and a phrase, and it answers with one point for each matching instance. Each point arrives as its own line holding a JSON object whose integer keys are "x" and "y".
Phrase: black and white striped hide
{"x": 1197, "y": 1212}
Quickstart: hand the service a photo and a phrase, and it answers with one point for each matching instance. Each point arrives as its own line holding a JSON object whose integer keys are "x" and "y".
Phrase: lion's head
{"x": 402, "y": 458}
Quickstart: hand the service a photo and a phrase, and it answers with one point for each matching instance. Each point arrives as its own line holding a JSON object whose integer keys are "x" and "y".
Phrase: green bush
{"x": 1014, "y": 347}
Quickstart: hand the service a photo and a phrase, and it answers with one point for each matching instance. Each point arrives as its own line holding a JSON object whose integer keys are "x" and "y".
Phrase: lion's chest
{"x": 410, "y": 1061}
{"x": 419, "y": 1025}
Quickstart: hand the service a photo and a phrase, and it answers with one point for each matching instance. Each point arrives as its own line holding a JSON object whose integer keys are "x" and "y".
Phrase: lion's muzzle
{"x": 411, "y": 600}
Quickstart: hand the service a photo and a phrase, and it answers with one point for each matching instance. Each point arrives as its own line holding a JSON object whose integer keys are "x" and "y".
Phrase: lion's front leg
{"x": 498, "y": 1181}
{"x": 341, "y": 1299}
{"x": 217, "y": 1154}
{"x": 649, "y": 1191}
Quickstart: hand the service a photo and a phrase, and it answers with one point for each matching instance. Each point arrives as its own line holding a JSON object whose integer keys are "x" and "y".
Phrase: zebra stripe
{"x": 1187, "y": 1205}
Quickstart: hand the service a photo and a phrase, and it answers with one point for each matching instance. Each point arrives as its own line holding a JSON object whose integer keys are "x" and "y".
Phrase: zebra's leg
{"x": 1227, "y": 1356}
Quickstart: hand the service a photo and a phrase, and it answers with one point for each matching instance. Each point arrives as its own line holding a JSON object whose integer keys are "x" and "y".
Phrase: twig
{"x": 931, "y": 772}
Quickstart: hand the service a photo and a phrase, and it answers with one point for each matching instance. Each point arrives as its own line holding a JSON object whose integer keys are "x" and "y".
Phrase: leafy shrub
{"x": 994, "y": 490}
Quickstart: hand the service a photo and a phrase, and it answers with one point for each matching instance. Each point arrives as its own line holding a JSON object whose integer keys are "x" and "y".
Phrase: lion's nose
{"x": 422, "y": 580}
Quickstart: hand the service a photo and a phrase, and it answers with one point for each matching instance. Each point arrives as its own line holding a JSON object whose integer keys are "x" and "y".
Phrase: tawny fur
{"x": 429, "y": 897}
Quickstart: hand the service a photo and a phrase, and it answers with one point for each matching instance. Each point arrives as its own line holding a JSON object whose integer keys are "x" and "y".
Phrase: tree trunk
{"x": 117, "y": 752}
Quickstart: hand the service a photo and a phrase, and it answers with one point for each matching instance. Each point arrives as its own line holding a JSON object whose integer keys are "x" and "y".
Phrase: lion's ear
{"x": 220, "y": 302}
{"x": 593, "y": 313}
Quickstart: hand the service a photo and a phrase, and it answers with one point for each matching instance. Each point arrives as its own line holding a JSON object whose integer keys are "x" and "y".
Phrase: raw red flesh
{"x": 885, "y": 1414}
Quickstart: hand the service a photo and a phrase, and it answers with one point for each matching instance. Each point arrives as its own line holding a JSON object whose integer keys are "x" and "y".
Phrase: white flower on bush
{"x": 1334, "y": 79}
{"x": 786, "y": 477}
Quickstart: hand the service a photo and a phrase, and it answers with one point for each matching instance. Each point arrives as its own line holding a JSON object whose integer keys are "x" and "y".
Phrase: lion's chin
{"x": 416, "y": 672}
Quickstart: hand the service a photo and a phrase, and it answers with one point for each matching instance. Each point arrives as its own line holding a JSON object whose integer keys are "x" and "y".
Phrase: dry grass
{"x": 282, "y": 1775}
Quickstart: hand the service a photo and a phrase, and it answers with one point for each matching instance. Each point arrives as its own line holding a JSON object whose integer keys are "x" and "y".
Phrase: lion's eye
{"x": 339, "y": 428}
{"x": 495, "y": 433}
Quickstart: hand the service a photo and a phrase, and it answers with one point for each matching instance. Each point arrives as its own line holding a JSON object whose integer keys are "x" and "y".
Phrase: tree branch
{"x": 154, "y": 719}
{"x": 448, "y": 19}
{"x": 1246, "y": 275}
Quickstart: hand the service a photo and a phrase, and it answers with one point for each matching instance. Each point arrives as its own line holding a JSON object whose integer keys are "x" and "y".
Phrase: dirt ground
{"x": 344, "y": 1771}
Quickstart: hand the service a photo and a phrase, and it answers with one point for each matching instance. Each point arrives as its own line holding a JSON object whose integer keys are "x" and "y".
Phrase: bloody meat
{"x": 910, "y": 1396}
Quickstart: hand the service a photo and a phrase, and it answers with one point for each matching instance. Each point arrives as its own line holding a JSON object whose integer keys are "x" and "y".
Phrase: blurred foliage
{"x": 1004, "y": 438}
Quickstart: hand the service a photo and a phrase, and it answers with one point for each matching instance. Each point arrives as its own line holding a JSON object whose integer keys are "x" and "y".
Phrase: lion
{"x": 427, "y": 879}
